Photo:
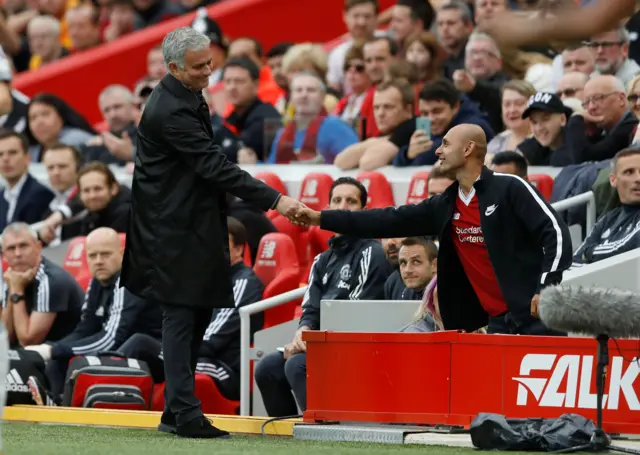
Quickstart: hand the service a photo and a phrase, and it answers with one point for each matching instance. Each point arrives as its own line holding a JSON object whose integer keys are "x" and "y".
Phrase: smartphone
{"x": 423, "y": 123}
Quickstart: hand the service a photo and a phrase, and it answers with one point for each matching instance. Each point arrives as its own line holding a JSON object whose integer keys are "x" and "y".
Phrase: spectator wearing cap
{"x": 360, "y": 19}
{"x": 43, "y": 36}
{"x": 444, "y": 106}
{"x": 268, "y": 89}
{"x": 121, "y": 18}
{"x": 312, "y": 135}
{"x": 151, "y": 12}
{"x": 219, "y": 43}
{"x": 250, "y": 115}
{"x": 117, "y": 145}
{"x": 548, "y": 117}
{"x": 606, "y": 126}
{"x": 13, "y": 103}
{"x": 84, "y": 26}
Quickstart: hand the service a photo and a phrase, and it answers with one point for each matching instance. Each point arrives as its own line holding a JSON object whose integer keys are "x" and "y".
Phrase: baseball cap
{"x": 207, "y": 26}
{"x": 547, "y": 102}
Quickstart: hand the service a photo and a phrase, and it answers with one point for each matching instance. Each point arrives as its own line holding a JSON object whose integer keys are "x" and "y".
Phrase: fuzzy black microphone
{"x": 591, "y": 310}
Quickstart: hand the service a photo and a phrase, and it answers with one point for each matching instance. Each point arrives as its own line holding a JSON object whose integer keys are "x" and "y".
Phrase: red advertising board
{"x": 448, "y": 378}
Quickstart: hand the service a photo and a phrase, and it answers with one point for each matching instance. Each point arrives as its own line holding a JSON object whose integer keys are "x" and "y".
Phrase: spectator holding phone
{"x": 441, "y": 108}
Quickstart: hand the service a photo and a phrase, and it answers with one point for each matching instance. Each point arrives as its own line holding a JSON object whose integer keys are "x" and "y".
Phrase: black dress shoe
{"x": 200, "y": 427}
{"x": 167, "y": 423}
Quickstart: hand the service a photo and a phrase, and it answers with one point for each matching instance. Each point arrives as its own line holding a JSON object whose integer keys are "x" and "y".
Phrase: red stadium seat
{"x": 123, "y": 239}
{"x": 212, "y": 401}
{"x": 272, "y": 179}
{"x": 298, "y": 234}
{"x": 318, "y": 242}
{"x": 314, "y": 191}
{"x": 418, "y": 187}
{"x": 378, "y": 188}
{"x": 278, "y": 267}
{"x": 75, "y": 262}
{"x": 544, "y": 184}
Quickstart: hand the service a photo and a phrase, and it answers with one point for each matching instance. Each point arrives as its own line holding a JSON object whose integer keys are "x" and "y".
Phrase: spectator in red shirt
{"x": 500, "y": 242}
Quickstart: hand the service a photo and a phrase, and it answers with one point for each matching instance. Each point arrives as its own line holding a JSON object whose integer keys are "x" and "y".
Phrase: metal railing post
{"x": 245, "y": 340}
{"x": 588, "y": 199}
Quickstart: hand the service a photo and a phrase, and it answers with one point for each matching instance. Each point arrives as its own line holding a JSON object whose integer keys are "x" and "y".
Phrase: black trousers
{"x": 505, "y": 324}
{"x": 277, "y": 378}
{"x": 182, "y": 331}
{"x": 146, "y": 348}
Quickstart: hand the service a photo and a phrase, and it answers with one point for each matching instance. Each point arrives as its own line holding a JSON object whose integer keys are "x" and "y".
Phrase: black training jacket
{"x": 528, "y": 244}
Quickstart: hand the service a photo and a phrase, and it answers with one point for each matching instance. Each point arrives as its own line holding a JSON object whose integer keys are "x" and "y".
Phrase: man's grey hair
{"x": 179, "y": 41}
{"x": 478, "y": 36}
{"x": 116, "y": 89}
{"x": 321, "y": 84}
{"x": 18, "y": 228}
{"x": 623, "y": 35}
{"x": 461, "y": 7}
{"x": 47, "y": 21}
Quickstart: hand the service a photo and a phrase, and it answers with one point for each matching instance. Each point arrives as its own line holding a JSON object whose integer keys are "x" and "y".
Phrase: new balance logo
{"x": 14, "y": 382}
{"x": 490, "y": 210}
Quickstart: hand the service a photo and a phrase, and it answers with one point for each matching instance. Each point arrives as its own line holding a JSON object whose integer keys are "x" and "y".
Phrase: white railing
{"x": 245, "y": 340}
{"x": 585, "y": 198}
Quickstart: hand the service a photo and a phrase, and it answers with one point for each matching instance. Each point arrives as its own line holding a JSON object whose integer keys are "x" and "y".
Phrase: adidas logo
{"x": 14, "y": 382}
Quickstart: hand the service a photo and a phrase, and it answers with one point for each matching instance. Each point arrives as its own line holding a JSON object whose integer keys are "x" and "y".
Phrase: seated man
{"x": 617, "y": 231}
{"x": 220, "y": 350}
{"x": 110, "y": 314}
{"x": 42, "y": 302}
{"x": 510, "y": 163}
{"x": 445, "y": 108}
{"x": 351, "y": 269}
{"x": 548, "y": 117}
{"x": 418, "y": 259}
{"x": 102, "y": 203}
{"x": 393, "y": 105}
{"x": 312, "y": 136}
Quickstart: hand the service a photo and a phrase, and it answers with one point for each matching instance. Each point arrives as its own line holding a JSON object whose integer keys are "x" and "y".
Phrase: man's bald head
{"x": 463, "y": 146}
{"x": 605, "y": 100}
{"x": 605, "y": 82}
{"x": 104, "y": 253}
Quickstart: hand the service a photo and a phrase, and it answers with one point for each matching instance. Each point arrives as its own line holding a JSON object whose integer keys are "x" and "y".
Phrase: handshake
{"x": 298, "y": 213}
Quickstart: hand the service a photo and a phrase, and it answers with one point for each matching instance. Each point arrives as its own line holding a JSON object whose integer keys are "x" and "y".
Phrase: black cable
{"x": 275, "y": 419}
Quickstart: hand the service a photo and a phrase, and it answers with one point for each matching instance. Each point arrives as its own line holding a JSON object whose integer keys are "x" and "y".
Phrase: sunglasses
{"x": 359, "y": 67}
{"x": 569, "y": 93}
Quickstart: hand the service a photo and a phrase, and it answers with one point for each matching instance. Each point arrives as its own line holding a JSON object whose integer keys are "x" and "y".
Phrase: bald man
{"x": 571, "y": 85}
{"x": 605, "y": 127}
{"x": 500, "y": 242}
{"x": 110, "y": 315}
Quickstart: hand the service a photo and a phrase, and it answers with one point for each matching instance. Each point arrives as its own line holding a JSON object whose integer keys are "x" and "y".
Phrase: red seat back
{"x": 123, "y": 239}
{"x": 314, "y": 191}
{"x": 287, "y": 280}
{"x": 544, "y": 184}
{"x": 378, "y": 189}
{"x": 272, "y": 179}
{"x": 247, "y": 255}
{"x": 418, "y": 188}
{"x": 297, "y": 234}
{"x": 211, "y": 400}
{"x": 75, "y": 262}
{"x": 276, "y": 253}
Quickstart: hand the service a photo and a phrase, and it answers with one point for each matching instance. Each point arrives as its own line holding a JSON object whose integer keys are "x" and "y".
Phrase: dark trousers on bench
{"x": 277, "y": 378}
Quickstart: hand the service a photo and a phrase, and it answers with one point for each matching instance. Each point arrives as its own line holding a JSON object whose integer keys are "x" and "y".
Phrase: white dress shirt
{"x": 11, "y": 196}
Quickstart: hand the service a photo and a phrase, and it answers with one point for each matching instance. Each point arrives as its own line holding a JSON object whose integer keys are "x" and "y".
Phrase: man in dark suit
{"x": 24, "y": 198}
{"x": 177, "y": 250}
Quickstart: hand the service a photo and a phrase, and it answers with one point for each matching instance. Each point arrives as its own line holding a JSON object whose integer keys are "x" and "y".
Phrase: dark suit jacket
{"x": 177, "y": 247}
{"x": 32, "y": 206}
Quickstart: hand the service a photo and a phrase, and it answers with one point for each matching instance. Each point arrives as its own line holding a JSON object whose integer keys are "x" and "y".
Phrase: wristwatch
{"x": 15, "y": 298}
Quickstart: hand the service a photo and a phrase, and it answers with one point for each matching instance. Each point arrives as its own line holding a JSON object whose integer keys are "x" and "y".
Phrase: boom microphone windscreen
{"x": 593, "y": 311}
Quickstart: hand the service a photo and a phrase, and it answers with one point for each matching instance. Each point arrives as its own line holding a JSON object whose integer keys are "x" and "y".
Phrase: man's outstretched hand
{"x": 288, "y": 206}
{"x": 306, "y": 217}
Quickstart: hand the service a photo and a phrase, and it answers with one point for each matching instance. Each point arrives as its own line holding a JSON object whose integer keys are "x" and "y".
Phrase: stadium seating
{"x": 247, "y": 256}
{"x": 272, "y": 179}
{"x": 544, "y": 183}
{"x": 278, "y": 267}
{"x": 318, "y": 241}
{"x": 75, "y": 262}
{"x": 418, "y": 187}
{"x": 212, "y": 401}
{"x": 378, "y": 189}
{"x": 314, "y": 192}
{"x": 298, "y": 234}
